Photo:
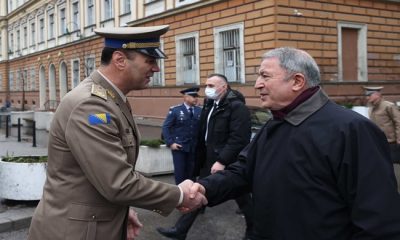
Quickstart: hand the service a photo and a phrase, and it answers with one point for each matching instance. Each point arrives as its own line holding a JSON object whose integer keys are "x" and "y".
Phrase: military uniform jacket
{"x": 386, "y": 115}
{"x": 180, "y": 128}
{"x": 91, "y": 181}
{"x": 323, "y": 172}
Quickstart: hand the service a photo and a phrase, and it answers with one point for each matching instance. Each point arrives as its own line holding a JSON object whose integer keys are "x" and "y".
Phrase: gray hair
{"x": 294, "y": 61}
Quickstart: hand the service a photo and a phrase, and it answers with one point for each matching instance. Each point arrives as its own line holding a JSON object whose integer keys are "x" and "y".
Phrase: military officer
{"x": 180, "y": 133}
{"x": 93, "y": 147}
{"x": 386, "y": 115}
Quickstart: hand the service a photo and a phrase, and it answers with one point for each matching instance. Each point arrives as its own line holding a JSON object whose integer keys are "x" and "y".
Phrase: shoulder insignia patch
{"x": 99, "y": 91}
{"x": 99, "y": 118}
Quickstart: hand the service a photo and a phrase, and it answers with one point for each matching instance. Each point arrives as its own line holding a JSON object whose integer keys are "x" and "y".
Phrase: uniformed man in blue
{"x": 180, "y": 133}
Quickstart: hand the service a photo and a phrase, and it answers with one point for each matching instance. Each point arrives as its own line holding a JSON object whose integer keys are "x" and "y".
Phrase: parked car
{"x": 259, "y": 116}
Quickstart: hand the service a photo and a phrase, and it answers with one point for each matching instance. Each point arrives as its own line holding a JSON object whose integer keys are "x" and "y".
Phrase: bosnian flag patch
{"x": 99, "y": 118}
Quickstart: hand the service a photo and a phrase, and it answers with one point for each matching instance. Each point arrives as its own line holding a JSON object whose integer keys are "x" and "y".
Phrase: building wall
{"x": 310, "y": 25}
{"x": 316, "y": 31}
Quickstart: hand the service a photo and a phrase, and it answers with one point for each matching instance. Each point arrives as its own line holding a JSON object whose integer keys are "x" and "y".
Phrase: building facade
{"x": 48, "y": 46}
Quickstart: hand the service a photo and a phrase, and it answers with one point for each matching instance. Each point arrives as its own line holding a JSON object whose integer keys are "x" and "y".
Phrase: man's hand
{"x": 196, "y": 189}
{"x": 175, "y": 146}
{"x": 217, "y": 166}
{"x": 192, "y": 198}
{"x": 133, "y": 226}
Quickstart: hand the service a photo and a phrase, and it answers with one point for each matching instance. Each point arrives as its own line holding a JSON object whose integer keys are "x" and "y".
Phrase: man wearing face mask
{"x": 224, "y": 130}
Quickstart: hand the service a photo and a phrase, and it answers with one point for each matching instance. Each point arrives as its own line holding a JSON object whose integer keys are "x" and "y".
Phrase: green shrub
{"x": 153, "y": 143}
{"x": 25, "y": 159}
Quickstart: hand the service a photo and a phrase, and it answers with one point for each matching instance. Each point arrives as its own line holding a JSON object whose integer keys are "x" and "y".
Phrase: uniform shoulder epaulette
{"x": 172, "y": 107}
{"x": 99, "y": 91}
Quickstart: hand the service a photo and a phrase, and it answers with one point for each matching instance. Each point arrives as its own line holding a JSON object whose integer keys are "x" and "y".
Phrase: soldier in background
{"x": 180, "y": 133}
{"x": 386, "y": 115}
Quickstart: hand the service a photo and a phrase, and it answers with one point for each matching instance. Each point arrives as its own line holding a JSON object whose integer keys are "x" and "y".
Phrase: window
{"x": 11, "y": 81}
{"x": 75, "y": 73}
{"x": 108, "y": 9}
{"x": 18, "y": 80}
{"x": 63, "y": 22}
{"x": 1, "y": 47}
{"x": 51, "y": 26}
{"x": 41, "y": 30}
{"x": 18, "y": 40}
{"x": 25, "y": 42}
{"x": 179, "y": 3}
{"x": 10, "y": 4}
{"x": 33, "y": 79}
{"x": 75, "y": 16}
{"x": 90, "y": 12}
{"x": 188, "y": 71}
{"x": 126, "y": 6}
{"x": 154, "y": 6}
{"x": 25, "y": 80}
{"x": 33, "y": 34}
{"x": 229, "y": 53}
{"x": 352, "y": 52}
{"x": 11, "y": 42}
{"x": 89, "y": 65}
{"x": 158, "y": 77}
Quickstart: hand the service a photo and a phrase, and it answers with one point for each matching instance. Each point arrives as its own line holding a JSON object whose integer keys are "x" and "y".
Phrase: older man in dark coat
{"x": 316, "y": 170}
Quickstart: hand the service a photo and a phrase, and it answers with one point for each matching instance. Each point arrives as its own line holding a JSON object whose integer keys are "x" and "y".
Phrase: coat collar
{"x": 99, "y": 79}
{"x": 307, "y": 108}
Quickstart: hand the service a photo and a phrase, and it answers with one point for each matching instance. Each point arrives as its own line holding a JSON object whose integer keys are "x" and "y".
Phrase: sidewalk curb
{"x": 15, "y": 219}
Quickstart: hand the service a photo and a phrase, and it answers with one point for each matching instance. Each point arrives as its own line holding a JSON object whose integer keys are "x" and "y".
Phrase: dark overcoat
{"x": 323, "y": 172}
{"x": 229, "y": 131}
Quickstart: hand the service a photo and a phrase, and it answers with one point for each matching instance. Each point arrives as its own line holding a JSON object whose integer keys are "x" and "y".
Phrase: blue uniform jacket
{"x": 179, "y": 128}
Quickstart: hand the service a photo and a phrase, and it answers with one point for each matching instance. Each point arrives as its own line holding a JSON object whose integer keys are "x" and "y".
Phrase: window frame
{"x": 63, "y": 20}
{"x": 75, "y": 15}
{"x": 218, "y": 51}
{"x": 78, "y": 79}
{"x": 179, "y": 56}
{"x": 362, "y": 75}
{"x": 41, "y": 28}
{"x": 108, "y": 9}
{"x": 51, "y": 25}
{"x": 161, "y": 73}
{"x": 179, "y": 3}
{"x": 87, "y": 67}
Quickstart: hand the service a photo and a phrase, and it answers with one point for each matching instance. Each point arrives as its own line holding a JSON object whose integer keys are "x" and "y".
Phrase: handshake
{"x": 193, "y": 196}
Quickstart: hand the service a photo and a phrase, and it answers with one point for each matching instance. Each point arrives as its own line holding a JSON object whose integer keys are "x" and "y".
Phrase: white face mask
{"x": 211, "y": 93}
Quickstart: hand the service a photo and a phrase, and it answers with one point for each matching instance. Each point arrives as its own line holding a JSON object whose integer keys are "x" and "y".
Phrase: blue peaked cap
{"x": 145, "y": 40}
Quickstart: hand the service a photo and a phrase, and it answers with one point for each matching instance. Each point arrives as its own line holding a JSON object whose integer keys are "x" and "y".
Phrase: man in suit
{"x": 180, "y": 133}
{"x": 224, "y": 130}
{"x": 93, "y": 147}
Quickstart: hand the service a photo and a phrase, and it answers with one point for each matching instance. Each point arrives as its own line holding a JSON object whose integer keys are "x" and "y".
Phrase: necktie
{"x": 191, "y": 112}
